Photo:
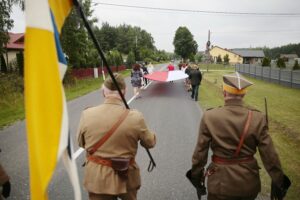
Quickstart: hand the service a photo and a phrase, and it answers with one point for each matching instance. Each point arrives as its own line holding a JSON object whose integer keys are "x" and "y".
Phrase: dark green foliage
{"x": 20, "y": 63}
{"x": 198, "y": 57}
{"x": 130, "y": 59}
{"x": 69, "y": 79}
{"x": 226, "y": 59}
{"x": 219, "y": 59}
{"x": 3, "y": 64}
{"x": 6, "y": 23}
{"x": 184, "y": 43}
{"x": 75, "y": 42}
{"x": 266, "y": 62}
{"x": 287, "y": 49}
{"x": 296, "y": 65}
{"x": 280, "y": 63}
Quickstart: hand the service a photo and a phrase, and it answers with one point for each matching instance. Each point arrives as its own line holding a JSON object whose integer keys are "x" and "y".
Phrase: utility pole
{"x": 207, "y": 57}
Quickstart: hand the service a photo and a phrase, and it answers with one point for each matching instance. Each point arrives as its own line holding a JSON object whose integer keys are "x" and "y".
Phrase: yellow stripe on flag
{"x": 60, "y": 11}
{"x": 44, "y": 108}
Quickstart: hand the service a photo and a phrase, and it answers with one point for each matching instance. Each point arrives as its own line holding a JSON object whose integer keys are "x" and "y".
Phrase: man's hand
{"x": 6, "y": 189}
{"x": 278, "y": 193}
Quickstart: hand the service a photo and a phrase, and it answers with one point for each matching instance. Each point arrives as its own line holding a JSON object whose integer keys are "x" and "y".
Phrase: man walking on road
{"x": 195, "y": 77}
{"x": 110, "y": 134}
{"x": 234, "y": 132}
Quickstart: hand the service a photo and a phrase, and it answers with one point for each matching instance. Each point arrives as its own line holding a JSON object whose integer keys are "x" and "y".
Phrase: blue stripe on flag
{"x": 60, "y": 54}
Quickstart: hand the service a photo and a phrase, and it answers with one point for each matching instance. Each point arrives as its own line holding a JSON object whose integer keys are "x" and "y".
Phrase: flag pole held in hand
{"x": 152, "y": 163}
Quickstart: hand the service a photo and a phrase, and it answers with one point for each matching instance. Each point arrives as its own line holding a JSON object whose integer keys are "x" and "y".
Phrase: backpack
{"x": 136, "y": 77}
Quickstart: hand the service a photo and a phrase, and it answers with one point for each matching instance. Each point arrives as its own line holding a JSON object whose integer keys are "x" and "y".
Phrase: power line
{"x": 202, "y": 11}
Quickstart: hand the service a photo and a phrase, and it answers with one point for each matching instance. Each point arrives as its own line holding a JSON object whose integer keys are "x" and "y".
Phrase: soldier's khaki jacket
{"x": 97, "y": 121}
{"x": 220, "y": 130}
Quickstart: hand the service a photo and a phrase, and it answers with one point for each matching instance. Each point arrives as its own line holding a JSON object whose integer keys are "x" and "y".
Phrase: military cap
{"x": 111, "y": 85}
{"x": 235, "y": 83}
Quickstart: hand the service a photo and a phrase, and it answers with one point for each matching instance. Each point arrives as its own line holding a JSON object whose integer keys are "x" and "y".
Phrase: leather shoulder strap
{"x": 102, "y": 140}
{"x": 243, "y": 135}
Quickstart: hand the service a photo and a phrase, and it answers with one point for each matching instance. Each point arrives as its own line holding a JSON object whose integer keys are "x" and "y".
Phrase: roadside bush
{"x": 10, "y": 83}
{"x": 219, "y": 59}
{"x": 266, "y": 62}
{"x": 130, "y": 59}
{"x": 226, "y": 59}
{"x": 280, "y": 63}
{"x": 20, "y": 63}
{"x": 296, "y": 65}
{"x": 69, "y": 79}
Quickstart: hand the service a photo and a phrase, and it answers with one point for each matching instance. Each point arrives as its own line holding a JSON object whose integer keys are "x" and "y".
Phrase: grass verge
{"x": 284, "y": 117}
{"x": 12, "y": 102}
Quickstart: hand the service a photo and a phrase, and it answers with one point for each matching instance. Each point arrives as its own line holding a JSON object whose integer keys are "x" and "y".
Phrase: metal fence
{"x": 287, "y": 77}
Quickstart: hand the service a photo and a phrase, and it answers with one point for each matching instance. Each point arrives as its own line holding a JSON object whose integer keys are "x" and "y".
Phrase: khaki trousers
{"x": 223, "y": 197}
{"x": 130, "y": 195}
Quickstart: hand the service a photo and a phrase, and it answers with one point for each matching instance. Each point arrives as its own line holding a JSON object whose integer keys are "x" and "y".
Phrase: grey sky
{"x": 228, "y": 31}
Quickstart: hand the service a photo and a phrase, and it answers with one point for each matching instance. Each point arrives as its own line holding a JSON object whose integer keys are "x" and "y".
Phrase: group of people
{"x": 137, "y": 77}
{"x": 233, "y": 132}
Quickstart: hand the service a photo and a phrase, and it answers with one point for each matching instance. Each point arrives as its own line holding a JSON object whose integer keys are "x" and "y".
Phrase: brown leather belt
{"x": 228, "y": 161}
{"x": 104, "y": 161}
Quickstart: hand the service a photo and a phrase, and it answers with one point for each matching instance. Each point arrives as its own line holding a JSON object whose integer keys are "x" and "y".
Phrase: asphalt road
{"x": 168, "y": 110}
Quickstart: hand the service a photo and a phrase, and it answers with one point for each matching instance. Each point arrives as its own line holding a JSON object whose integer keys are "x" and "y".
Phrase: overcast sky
{"x": 228, "y": 31}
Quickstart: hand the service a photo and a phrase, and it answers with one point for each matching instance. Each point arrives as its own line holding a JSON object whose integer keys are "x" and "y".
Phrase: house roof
{"x": 16, "y": 41}
{"x": 249, "y": 53}
{"x": 288, "y": 56}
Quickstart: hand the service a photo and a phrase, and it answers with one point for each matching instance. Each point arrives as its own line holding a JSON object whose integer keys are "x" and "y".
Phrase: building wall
{"x": 11, "y": 55}
{"x": 233, "y": 58}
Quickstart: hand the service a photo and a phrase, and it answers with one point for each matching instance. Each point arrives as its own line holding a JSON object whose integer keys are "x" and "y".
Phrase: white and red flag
{"x": 166, "y": 76}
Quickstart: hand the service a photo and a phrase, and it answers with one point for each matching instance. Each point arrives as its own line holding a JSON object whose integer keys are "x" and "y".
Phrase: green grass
{"x": 284, "y": 117}
{"x": 12, "y": 103}
{"x": 205, "y": 67}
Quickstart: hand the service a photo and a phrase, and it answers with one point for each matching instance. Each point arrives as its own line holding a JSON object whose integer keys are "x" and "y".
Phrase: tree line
{"x": 119, "y": 43}
{"x": 274, "y": 53}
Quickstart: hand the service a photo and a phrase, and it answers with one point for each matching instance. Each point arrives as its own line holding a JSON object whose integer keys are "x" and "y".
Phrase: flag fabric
{"x": 46, "y": 112}
{"x": 166, "y": 76}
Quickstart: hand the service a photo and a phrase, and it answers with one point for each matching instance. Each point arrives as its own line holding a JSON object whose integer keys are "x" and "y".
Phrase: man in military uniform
{"x": 234, "y": 132}
{"x": 103, "y": 179}
{"x": 4, "y": 183}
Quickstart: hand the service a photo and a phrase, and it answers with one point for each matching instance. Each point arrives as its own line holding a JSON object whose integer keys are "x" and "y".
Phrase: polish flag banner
{"x": 166, "y": 76}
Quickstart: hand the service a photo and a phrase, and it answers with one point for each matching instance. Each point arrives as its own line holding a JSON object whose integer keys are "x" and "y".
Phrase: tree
{"x": 198, "y": 57}
{"x": 280, "y": 63}
{"x": 6, "y": 23}
{"x": 184, "y": 43}
{"x": 266, "y": 61}
{"x": 130, "y": 59}
{"x": 219, "y": 59}
{"x": 20, "y": 63}
{"x": 296, "y": 65}
{"x": 75, "y": 41}
{"x": 226, "y": 59}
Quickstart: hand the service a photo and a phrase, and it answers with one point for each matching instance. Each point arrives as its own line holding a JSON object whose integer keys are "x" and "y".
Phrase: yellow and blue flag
{"x": 45, "y": 103}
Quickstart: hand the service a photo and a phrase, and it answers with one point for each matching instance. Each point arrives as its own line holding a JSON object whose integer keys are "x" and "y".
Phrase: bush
{"x": 69, "y": 79}
{"x": 20, "y": 63}
{"x": 226, "y": 59}
{"x": 296, "y": 65}
{"x": 266, "y": 62}
{"x": 130, "y": 59}
{"x": 280, "y": 63}
{"x": 3, "y": 64}
{"x": 219, "y": 59}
